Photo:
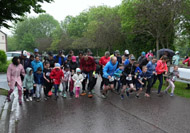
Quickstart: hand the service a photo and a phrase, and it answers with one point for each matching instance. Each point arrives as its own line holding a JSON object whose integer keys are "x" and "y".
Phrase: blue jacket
{"x": 150, "y": 68}
{"x": 38, "y": 78}
{"x": 109, "y": 69}
{"x": 36, "y": 64}
{"x": 126, "y": 62}
{"x": 118, "y": 73}
{"x": 138, "y": 69}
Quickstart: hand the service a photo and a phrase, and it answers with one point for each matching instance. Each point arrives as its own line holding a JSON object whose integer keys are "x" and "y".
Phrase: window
{"x": 2, "y": 37}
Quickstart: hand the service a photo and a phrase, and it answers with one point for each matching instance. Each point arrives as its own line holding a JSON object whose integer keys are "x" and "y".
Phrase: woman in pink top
{"x": 14, "y": 72}
{"x": 161, "y": 68}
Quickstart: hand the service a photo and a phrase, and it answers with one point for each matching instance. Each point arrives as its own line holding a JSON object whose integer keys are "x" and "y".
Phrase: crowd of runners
{"x": 78, "y": 75}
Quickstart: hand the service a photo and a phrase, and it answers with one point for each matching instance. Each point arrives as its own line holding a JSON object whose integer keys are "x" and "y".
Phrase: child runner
{"x": 48, "y": 83}
{"x": 171, "y": 80}
{"x": 66, "y": 80}
{"x": 38, "y": 78}
{"x": 140, "y": 78}
{"x": 77, "y": 78}
{"x": 57, "y": 75}
{"x": 28, "y": 84}
{"x": 117, "y": 75}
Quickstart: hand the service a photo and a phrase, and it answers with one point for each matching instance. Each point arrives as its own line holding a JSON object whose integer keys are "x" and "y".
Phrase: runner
{"x": 161, "y": 69}
{"x": 151, "y": 72}
{"x": 128, "y": 78}
{"x": 103, "y": 61}
{"x": 108, "y": 73}
{"x": 87, "y": 66}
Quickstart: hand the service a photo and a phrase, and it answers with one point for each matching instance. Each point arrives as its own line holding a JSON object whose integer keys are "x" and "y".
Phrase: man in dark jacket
{"x": 59, "y": 58}
{"x": 144, "y": 61}
{"x": 51, "y": 60}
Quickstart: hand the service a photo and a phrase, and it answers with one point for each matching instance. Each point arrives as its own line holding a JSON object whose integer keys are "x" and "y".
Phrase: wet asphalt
{"x": 111, "y": 115}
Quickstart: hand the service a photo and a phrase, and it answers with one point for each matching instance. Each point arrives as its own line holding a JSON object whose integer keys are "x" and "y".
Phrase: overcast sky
{"x": 59, "y": 9}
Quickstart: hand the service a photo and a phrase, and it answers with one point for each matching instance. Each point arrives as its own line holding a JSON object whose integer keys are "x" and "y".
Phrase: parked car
{"x": 11, "y": 54}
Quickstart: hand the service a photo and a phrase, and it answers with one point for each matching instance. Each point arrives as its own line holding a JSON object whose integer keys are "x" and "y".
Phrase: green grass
{"x": 3, "y": 92}
{"x": 179, "y": 89}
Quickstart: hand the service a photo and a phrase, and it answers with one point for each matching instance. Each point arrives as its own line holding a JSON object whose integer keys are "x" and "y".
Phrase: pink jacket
{"x": 13, "y": 75}
{"x": 161, "y": 67}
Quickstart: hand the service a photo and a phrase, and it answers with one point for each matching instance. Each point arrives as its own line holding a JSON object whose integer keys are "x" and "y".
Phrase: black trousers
{"x": 88, "y": 76}
{"x": 149, "y": 86}
{"x": 47, "y": 88}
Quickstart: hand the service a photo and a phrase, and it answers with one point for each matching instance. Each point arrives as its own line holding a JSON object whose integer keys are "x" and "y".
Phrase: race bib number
{"x": 84, "y": 75}
{"x": 111, "y": 79}
{"x": 129, "y": 78}
{"x": 117, "y": 78}
{"x": 47, "y": 74}
{"x": 174, "y": 78}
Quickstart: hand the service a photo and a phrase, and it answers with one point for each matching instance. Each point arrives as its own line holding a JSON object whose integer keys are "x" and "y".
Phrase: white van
{"x": 10, "y": 55}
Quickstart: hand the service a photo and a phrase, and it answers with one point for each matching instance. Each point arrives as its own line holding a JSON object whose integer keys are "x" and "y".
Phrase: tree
{"x": 14, "y": 10}
{"x": 32, "y": 32}
{"x": 156, "y": 18}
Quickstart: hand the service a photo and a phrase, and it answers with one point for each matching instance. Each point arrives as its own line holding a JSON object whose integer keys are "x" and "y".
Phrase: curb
{"x": 5, "y": 117}
{"x": 9, "y": 115}
{"x": 14, "y": 112}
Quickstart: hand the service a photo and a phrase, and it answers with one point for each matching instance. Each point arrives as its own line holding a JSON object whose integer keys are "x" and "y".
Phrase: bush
{"x": 4, "y": 66}
{"x": 3, "y": 57}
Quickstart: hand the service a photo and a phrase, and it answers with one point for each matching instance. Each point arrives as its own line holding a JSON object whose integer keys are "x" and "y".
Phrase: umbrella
{"x": 168, "y": 52}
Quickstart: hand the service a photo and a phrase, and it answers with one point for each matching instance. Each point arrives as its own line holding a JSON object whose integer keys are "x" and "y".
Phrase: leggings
{"x": 19, "y": 92}
{"x": 171, "y": 85}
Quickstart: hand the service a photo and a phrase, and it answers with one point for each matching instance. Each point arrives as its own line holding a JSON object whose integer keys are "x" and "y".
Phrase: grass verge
{"x": 3, "y": 92}
{"x": 179, "y": 89}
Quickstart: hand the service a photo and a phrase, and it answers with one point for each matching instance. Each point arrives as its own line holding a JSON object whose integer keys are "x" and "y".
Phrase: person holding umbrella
{"x": 176, "y": 58}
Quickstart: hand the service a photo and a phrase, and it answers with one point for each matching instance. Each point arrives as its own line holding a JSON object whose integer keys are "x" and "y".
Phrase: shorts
{"x": 138, "y": 86}
{"x": 107, "y": 82}
{"x": 126, "y": 82}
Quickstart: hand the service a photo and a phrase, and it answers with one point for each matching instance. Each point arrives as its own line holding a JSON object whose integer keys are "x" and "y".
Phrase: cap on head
{"x": 36, "y": 50}
{"x": 132, "y": 57}
{"x": 60, "y": 52}
{"x": 126, "y": 51}
{"x": 73, "y": 58}
{"x": 67, "y": 66}
{"x": 57, "y": 65}
{"x": 143, "y": 53}
{"x": 50, "y": 53}
{"x": 78, "y": 70}
{"x": 117, "y": 52}
{"x": 177, "y": 52}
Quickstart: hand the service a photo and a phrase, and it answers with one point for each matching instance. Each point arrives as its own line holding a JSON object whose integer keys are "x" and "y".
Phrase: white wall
{"x": 2, "y": 41}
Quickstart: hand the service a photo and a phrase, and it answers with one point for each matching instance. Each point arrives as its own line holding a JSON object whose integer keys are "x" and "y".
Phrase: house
{"x": 3, "y": 41}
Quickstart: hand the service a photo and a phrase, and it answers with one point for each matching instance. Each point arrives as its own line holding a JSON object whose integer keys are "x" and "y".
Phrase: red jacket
{"x": 161, "y": 67}
{"x": 103, "y": 60}
{"x": 187, "y": 60}
{"x": 88, "y": 65}
{"x": 57, "y": 75}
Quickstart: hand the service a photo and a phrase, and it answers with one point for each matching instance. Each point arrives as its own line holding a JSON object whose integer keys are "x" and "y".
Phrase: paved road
{"x": 113, "y": 115}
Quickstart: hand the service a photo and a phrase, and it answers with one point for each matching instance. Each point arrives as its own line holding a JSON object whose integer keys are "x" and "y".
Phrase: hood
{"x": 28, "y": 70}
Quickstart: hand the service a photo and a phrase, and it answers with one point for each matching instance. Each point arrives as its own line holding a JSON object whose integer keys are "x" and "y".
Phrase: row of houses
{"x": 3, "y": 41}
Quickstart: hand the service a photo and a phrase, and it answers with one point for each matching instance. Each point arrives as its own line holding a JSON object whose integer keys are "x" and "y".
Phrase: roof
{"x": 3, "y": 32}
